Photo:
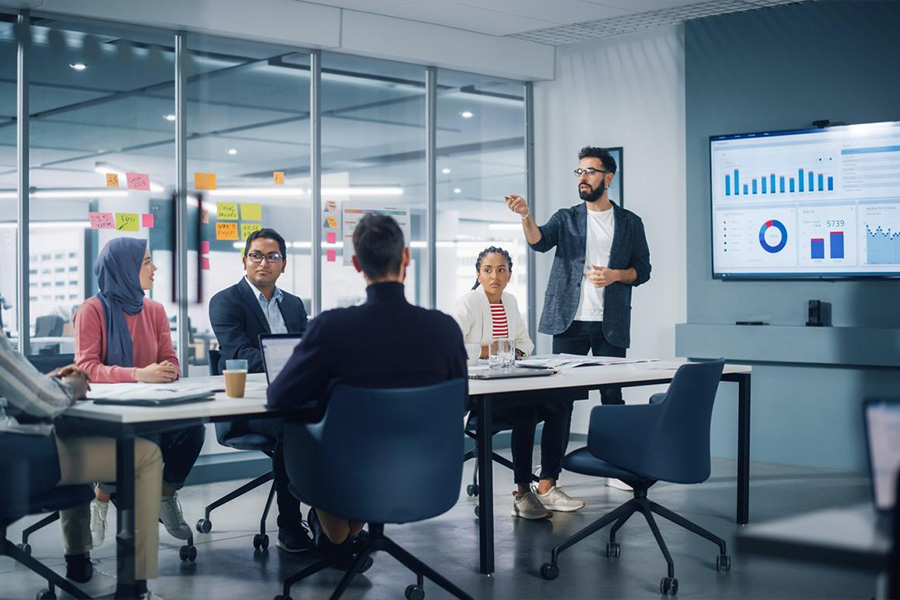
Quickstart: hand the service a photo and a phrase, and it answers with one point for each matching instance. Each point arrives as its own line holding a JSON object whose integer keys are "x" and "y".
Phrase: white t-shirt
{"x": 600, "y": 229}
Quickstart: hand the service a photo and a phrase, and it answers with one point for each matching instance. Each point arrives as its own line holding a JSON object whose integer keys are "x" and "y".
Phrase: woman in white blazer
{"x": 486, "y": 313}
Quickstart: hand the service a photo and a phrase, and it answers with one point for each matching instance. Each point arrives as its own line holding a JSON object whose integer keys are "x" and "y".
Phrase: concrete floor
{"x": 228, "y": 568}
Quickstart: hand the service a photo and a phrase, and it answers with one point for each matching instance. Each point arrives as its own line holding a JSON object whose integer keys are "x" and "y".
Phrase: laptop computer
{"x": 277, "y": 348}
{"x": 479, "y": 372}
{"x": 882, "y": 423}
{"x": 154, "y": 396}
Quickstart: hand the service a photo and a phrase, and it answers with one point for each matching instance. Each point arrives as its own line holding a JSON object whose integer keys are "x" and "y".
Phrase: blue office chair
{"x": 380, "y": 456}
{"x": 237, "y": 436}
{"x": 666, "y": 440}
{"x": 29, "y": 470}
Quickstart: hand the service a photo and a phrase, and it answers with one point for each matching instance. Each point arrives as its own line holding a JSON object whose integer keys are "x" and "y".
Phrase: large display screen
{"x": 812, "y": 203}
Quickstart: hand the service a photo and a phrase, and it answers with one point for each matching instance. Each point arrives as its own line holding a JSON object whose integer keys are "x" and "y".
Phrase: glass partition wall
{"x": 104, "y": 126}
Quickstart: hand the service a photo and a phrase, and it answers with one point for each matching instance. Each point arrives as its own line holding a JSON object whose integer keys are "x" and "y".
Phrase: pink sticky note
{"x": 204, "y": 263}
{"x": 331, "y": 255}
{"x": 147, "y": 220}
{"x": 330, "y": 237}
{"x": 138, "y": 181}
{"x": 204, "y": 247}
{"x": 101, "y": 220}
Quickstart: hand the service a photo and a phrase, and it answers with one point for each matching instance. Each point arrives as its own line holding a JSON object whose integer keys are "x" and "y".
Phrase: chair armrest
{"x": 656, "y": 398}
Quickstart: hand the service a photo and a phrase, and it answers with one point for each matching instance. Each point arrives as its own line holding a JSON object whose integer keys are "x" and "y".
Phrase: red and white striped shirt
{"x": 500, "y": 325}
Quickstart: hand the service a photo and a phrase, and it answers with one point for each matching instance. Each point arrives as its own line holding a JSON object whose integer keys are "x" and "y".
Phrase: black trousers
{"x": 288, "y": 506}
{"x": 582, "y": 336}
{"x": 556, "y": 415}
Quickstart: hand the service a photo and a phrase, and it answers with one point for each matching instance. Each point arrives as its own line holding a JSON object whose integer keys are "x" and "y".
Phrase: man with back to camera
{"x": 239, "y": 314}
{"x": 384, "y": 342}
{"x": 601, "y": 254}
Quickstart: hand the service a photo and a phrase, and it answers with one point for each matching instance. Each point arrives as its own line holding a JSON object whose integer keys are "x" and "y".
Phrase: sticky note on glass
{"x": 147, "y": 220}
{"x": 205, "y": 181}
{"x": 112, "y": 180}
{"x": 101, "y": 220}
{"x": 226, "y": 231}
{"x": 204, "y": 263}
{"x": 251, "y": 212}
{"x": 279, "y": 177}
{"x": 330, "y": 237}
{"x": 248, "y": 228}
{"x": 204, "y": 216}
{"x": 227, "y": 211}
{"x": 331, "y": 222}
{"x": 330, "y": 206}
{"x": 127, "y": 222}
{"x": 331, "y": 255}
{"x": 138, "y": 181}
{"x": 204, "y": 247}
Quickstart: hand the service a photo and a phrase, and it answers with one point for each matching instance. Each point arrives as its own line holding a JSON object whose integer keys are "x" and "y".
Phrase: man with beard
{"x": 601, "y": 253}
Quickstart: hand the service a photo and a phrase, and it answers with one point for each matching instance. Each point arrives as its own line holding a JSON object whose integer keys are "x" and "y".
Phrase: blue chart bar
{"x": 817, "y": 248}
{"x": 745, "y": 189}
{"x": 821, "y": 182}
{"x": 728, "y": 185}
{"x": 754, "y": 186}
{"x": 772, "y": 183}
{"x": 882, "y": 246}
{"x": 837, "y": 243}
{"x": 792, "y": 185}
{"x": 763, "y": 181}
{"x": 737, "y": 183}
{"x": 830, "y": 183}
{"x": 781, "y": 184}
{"x": 812, "y": 181}
{"x": 800, "y": 178}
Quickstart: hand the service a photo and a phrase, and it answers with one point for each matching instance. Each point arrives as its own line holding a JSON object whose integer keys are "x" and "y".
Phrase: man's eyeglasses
{"x": 271, "y": 257}
{"x": 590, "y": 171}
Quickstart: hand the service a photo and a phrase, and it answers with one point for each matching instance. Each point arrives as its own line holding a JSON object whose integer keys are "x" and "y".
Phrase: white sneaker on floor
{"x": 171, "y": 516}
{"x": 618, "y": 484}
{"x": 529, "y": 507}
{"x": 99, "y": 510}
{"x": 558, "y": 500}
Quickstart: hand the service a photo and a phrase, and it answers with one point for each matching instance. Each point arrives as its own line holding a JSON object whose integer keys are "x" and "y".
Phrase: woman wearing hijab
{"x": 123, "y": 336}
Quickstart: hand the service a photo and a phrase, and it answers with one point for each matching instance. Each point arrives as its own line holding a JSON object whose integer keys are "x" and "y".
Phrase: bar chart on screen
{"x": 827, "y": 235}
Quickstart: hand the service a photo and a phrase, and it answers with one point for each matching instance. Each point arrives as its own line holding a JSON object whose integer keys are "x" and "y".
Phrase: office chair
{"x": 666, "y": 440}
{"x": 48, "y": 326}
{"x": 237, "y": 436}
{"x": 29, "y": 470}
{"x": 380, "y": 456}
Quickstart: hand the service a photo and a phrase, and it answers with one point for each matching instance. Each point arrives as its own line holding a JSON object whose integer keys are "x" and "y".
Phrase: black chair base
{"x": 261, "y": 539}
{"x": 640, "y": 503}
{"x": 54, "y": 579}
{"x": 376, "y": 542}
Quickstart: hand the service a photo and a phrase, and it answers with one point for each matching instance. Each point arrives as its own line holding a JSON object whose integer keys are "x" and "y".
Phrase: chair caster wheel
{"x": 549, "y": 571}
{"x": 668, "y": 585}
{"x": 187, "y": 553}
{"x": 613, "y": 550}
{"x": 204, "y": 526}
{"x": 472, "y": 489}
{"x": 45, "y": 595}
{"x": 25, "y": 548}
{"x": 723, "y": 563}
{"x": 415, "y": 592}
{"x": 260, "y": 541}
{"x": 477, "y": 512}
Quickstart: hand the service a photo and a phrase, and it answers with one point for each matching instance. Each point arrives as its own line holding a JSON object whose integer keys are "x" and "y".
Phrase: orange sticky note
{"x": 331, "y": 255}
{"x": 112, "y": 180}
{"x": 279, "y": 177}
{"x": 331, "y": 222}
{"x": 226, "y": 231}
{"x": 330, "y": 237}
{"x": 205, "y": 181}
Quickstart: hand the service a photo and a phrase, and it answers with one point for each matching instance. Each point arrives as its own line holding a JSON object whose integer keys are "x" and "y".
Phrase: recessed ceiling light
{"x": 445, "y": 171}
{"x": 169, "y": 117}
{"x": 78, "y": 66}
{"x": 232, "y": 151}
{"x": 467, "y": 114}
{"x": 457, "y": 191}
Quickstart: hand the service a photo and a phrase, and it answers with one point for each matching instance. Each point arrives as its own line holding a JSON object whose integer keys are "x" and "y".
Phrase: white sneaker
{"x": 558, "y": 500}
{"x": 171, "y": 516}
{"x": 529, "y": 507}
{"x": 99, "y": 511}
{"x": 618, "y": 484}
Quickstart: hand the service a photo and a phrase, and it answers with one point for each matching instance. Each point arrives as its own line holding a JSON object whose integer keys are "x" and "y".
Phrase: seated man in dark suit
{"x": 239, "y": 314}
{"x": 385, "y": 342}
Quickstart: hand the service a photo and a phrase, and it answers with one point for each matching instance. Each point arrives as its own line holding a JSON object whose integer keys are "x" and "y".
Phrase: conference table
{"x": 125, "y": 423}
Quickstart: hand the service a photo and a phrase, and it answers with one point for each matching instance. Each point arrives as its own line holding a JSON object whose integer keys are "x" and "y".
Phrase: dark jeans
{"x": 180, "y": 449}
{"x": 556, "y": 415}
{"x": 582, "y": 336}
{"x": 288, "y": 506}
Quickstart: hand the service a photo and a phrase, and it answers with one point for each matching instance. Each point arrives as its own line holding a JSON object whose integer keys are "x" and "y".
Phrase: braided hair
{"x": 491, "y": 250}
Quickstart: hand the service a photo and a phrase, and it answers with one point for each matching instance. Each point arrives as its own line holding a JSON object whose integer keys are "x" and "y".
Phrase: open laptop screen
{"x": 883, "y": 436}
{"x": 276, "y": 350}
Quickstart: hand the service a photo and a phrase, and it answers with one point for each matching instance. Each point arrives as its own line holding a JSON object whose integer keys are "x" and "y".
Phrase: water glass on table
{"x": 235, "y": 377}
{"x": 502, "y": 353}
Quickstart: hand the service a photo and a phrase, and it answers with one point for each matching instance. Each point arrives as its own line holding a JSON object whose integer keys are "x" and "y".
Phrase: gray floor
{"x": 227, "y": 567}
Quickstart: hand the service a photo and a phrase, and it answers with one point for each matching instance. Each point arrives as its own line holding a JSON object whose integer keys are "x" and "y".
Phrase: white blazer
{"x": 473, "y": 314}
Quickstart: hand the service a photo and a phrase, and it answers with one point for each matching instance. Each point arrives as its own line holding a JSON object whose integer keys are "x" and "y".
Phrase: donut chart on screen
{"x": 782, "y": 240}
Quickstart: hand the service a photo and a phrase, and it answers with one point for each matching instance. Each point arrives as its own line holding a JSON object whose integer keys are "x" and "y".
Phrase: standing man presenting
{"x": 601, "y": 254}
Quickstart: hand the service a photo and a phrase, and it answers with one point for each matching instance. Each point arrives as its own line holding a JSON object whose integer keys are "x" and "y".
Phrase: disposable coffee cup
{"x": 235, "y": 377}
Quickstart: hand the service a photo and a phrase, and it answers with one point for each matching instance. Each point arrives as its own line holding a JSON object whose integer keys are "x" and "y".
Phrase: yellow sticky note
{"x": 279, "y": 177}
{"x": 205, "y": 181}
{"x": 248, "y": 228}
{"x": 251, "y": 212}
{"x": 112, "y": 180}
{"x": 227, "y": 211}
{"x": 226, "y": 231}
{"x": 331, "y": 222}
{"x": 127, "y": 222}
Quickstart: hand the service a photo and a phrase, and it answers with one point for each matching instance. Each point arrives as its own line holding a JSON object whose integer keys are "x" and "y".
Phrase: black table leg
{"x": 126, "y": 588}
{"x": 485, "y": 483}
{"x": 743, "y": 474}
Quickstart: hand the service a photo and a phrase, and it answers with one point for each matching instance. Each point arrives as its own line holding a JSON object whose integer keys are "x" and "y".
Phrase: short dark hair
{"x": 609, "y": 163}
{"x": 269, "y": 234}
{"x": 378, "y": 243}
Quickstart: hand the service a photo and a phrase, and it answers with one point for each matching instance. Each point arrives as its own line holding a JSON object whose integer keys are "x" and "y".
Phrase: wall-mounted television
{"x": 810, "y": 203}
